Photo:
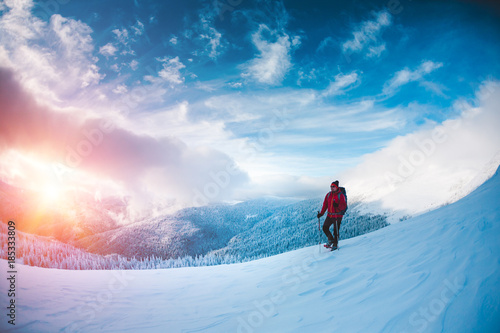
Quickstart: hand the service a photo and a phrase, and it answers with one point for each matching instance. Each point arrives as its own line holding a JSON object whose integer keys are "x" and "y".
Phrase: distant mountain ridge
{"x": 254, "y": 228}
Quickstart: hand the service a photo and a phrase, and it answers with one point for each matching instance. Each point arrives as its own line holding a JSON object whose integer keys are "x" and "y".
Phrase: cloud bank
{"x": 150, "y": 168}
{"x": 424, "y": 169}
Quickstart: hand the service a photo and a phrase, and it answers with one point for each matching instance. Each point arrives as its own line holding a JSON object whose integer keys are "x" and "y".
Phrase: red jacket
{"x": 337, "y": 197}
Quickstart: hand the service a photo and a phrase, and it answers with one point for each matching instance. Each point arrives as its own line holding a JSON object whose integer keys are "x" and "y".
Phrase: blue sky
{"x": 286, "y": 92}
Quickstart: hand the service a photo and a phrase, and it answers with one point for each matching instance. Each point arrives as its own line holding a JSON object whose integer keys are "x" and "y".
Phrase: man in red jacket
{"x": 336, "y": 203}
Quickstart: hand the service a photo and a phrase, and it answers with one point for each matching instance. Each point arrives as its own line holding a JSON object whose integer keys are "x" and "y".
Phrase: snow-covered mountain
{"x": 189, "y": 232}
{"x": 238, "y": 230}
{"x": 438, "y": 272}
{"x": 250, "y": 229}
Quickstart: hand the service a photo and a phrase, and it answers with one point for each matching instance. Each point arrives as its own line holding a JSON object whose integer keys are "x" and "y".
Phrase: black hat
{"x": 336, "y": 183}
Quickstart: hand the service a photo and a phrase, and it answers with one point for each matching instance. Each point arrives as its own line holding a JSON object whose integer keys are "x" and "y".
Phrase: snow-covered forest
{"x": 40, "y": 251}
{"x": 211, "y": 235}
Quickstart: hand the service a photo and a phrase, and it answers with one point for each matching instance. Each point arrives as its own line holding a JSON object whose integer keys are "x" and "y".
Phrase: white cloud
{"x": 149, "y": 167}
{"x": 352, "y": 121}
{"x": 75, "y": 40}
{"x": 108, "y": 50}
{"x": 341, "y": 83}
{"x": 235, "y": 85}
{"x": 74, "y": 35}
{"x": 176, "y": 122}
{"x": 375, "y": 51}
{"x": 124, "y": 39}
{"x": 17, "y": 21}
{"x": 325, "y": 43}
{"x": 170, "y": 72}
{"x": 293, "y": 132}
{"x": 424, "y": 169}
{"x": 209, "y": 40}
{"x": 406, "y": 75}
{"x": 368, "y": 35}
{"x": 434, "y": 87}
{"x": 138, "y": 28}
{"x": 91, "y": 76}
{"x": 120, "y": 89}
{"x": 134, "y": 64}
{"x": 285, "y": 185}
{"x": 274, "y": 59}
{"x": 306, "y": 75}
{"x": 209, "y": 36}
{"x": 296, "y": 41}
{"x": 51, "y": 73}
{"x": 213, "y": 38}
{"x": 121, "y": 35}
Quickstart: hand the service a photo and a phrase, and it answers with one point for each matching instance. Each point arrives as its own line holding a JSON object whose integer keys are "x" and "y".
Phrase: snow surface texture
{"x": 438, "y": 272}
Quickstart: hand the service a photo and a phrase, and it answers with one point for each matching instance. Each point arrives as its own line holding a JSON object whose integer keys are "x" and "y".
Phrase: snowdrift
{"x": 438, "y": 272}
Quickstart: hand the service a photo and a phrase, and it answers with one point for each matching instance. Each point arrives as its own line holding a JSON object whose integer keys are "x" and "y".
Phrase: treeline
{"x": 46, "y": 252}
{"x": 202, "y": 236}
{"x": 295, "y": 226}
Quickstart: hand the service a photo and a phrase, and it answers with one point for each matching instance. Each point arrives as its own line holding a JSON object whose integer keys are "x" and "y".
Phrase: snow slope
{"x": 438, "y": 272}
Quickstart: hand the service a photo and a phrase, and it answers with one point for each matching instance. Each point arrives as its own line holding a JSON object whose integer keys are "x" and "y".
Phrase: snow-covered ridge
{"x": 438, "y": 272}
{"x": 195, "y": 237}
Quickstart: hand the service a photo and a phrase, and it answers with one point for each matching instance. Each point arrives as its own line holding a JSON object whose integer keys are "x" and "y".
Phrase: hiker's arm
{"x": 325, "y": 206}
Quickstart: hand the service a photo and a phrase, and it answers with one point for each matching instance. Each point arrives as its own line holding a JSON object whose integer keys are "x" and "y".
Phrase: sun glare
{"x": 51, "y": 184}
{"x": 51, "y": 193}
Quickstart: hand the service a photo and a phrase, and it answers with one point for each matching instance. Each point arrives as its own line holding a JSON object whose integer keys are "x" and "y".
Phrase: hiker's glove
{"x": 335, "y": 204}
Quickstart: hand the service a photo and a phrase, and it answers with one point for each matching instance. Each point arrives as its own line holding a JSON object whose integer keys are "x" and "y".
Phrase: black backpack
{"x": 342, "y": 189}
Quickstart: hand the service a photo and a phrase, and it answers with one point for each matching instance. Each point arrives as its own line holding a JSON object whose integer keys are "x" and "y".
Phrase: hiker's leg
{"x": 336, "y": 230}
{"x": 326, "y": 228}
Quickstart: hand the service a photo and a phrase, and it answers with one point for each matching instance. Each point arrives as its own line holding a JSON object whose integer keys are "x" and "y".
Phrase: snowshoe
{"x": 328, "y": 245}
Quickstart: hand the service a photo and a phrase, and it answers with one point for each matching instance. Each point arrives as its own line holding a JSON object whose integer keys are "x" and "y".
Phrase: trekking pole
{"x": 338, "y": 233}
{"x": 319, "y": 234}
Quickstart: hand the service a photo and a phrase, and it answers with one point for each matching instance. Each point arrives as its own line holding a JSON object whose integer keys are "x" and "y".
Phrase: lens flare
{"x": 51, "y": 193}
